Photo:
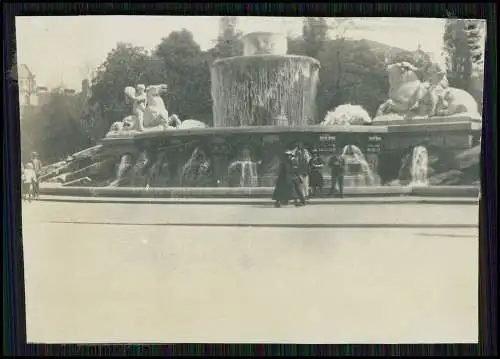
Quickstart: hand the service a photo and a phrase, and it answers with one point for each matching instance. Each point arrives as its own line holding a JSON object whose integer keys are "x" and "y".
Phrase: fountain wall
{"x": 265, "y": 87}
{"x": 249, "y": 157}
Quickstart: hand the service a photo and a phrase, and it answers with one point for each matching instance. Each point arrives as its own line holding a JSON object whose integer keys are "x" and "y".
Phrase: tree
{"x": 351, "y": 71}
{"x": 461, "y": 44}
{"x": 54, "y": 129}
{"x": 228, "y": 43}
{"x": 126, "y": 65}
{"x": 295, "y": 46}
{"x": 184, "y": 68}
{"x": 361, "y": 81}
{"x": 314, "y": 34}
{"x": 474, "y": 30}
{"x": 339, "y": 27}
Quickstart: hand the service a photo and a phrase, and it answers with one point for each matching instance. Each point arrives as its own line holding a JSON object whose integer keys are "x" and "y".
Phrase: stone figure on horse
{"x": 423, "y": 92}
{"x": 149, "y": 112}
{"x": 148, "y": 107}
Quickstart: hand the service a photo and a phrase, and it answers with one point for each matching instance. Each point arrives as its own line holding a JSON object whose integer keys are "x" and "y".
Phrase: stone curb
{"x": 254, "y": 201}
{"x": 251, "y": 192}
{"x": 288, "y": 225}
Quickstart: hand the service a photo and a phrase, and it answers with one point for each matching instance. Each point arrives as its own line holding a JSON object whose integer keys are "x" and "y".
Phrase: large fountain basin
{"x": 436, "y": 124}
{"x": 248, "y": 157}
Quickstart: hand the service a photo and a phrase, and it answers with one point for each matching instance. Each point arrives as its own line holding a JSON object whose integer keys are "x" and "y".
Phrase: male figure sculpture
{"x": 139, "y": 105}
{"x": 436, "y": 85}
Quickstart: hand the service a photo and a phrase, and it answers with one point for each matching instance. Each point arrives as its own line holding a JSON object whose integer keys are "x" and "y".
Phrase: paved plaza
{"x": 371, "y": 273}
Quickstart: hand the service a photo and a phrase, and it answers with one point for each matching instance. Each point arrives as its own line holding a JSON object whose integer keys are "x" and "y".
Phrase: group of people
{"x": 29, "y": 177}
{"x": 300, "y": 175}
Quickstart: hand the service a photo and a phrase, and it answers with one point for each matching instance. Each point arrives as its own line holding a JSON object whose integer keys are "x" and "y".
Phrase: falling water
{"x": 253, "y": 90}
{"x": 247, "y": 169}
{"x": 140, "y": 165}
{"x": 419, "y": 166}
{"x": 195, "y": 168}
{"x": 123, "y": 166}
{"x": 369, "y": 177}
{"x": 187, "y": 169}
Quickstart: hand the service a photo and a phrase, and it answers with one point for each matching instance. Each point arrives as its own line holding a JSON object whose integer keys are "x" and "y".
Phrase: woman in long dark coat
{"x": 283, "y": 190}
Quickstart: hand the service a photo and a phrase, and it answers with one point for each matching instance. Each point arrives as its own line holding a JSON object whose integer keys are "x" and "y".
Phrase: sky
{"x": 63, "y": 50}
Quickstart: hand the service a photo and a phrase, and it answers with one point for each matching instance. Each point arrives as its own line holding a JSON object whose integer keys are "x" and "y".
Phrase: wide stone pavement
{"x": 164, "y": 273}
{"x": 260, "y": 214}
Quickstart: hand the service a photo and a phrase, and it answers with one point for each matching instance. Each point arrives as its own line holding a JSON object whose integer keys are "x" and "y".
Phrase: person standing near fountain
{"x": 337, "y": 171}
{"x": 30, "y": 182}
{"x": 315, "y": 167}
{"x": 297, "y": 170}
{"x": 37, "y": 167}
{"x": 303, "y": 157}
{"x": 283, "y": 188}
{"x": 288, "y": 183}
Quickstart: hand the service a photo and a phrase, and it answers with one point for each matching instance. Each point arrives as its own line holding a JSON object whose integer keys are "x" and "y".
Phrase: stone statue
{"x": 423, "y": 92}
{"x": 138, "y": 96}
{"x": 262, "y": 46}
{"x": 149, "y": 111}
{"x": 156, "y": 113}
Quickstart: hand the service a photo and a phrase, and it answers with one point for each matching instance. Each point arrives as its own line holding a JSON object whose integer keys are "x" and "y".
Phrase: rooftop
{"x": 24, "y": 72}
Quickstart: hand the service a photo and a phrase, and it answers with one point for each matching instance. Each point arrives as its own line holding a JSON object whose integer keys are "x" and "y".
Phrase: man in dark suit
{"x": 337, "y": 172}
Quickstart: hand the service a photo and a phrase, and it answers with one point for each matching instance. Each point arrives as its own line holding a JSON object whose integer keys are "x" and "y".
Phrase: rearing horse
{"x": 405, "y": 88}
{"x": 156, "y": 113}
{"x": 410, "y": 96}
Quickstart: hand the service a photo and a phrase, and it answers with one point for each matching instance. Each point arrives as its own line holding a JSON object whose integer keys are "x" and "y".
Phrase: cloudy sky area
{"x": 64, "y": 50}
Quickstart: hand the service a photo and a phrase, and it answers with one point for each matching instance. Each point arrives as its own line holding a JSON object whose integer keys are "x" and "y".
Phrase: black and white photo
{"x": 230, "y": 179}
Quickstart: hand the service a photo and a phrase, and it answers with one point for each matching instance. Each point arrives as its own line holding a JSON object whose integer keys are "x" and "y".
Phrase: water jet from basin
{"x": 264, "y": 84}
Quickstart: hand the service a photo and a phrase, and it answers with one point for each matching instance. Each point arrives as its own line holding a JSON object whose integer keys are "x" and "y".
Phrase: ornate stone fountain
{"x": 263, "y": 104}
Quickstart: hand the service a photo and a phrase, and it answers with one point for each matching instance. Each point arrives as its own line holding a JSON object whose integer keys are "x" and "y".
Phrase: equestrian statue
{"x": 423, "y": 92}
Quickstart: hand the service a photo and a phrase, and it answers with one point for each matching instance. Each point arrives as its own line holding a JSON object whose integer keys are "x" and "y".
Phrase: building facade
{"x": 31, "y": 95}
{"x": 27, "y": 88}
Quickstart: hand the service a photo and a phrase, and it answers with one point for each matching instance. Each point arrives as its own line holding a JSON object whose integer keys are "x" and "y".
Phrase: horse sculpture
{"x": 154, "y": 114}
{"x": 423, "y": 92}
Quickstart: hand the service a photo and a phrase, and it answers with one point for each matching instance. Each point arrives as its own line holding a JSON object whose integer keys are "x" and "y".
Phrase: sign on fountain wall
{"x": 327, "y": 143}
{"x": 372, "y": 151}
{"x": 374, "y": 144}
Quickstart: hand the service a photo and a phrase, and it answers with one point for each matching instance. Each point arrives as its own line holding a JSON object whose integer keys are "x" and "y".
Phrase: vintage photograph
{"x": 223, "y": 179}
